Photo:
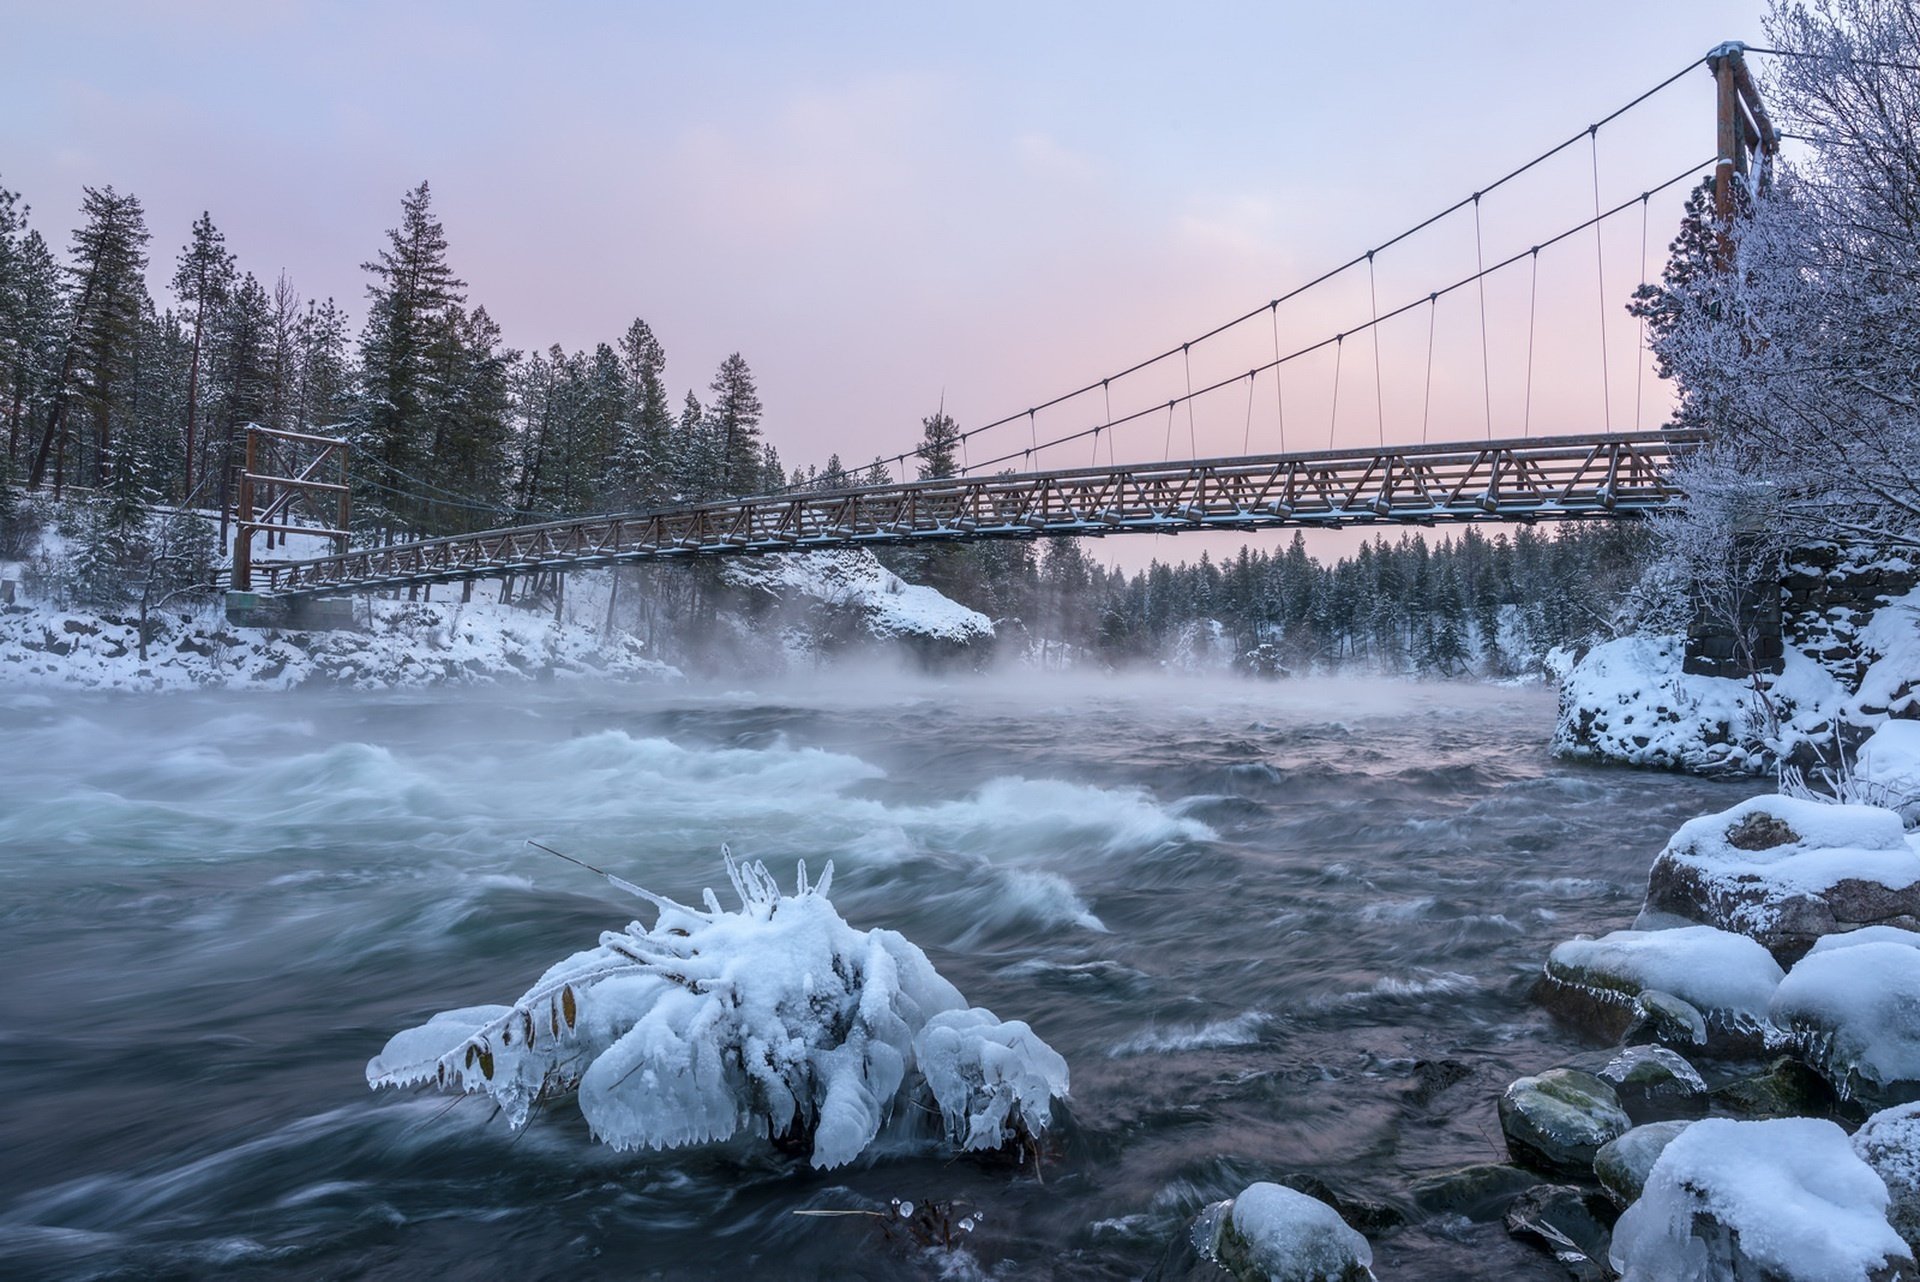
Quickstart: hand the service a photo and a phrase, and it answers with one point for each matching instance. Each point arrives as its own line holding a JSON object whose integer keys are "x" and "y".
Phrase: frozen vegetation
{"x": 776, "y": 1020}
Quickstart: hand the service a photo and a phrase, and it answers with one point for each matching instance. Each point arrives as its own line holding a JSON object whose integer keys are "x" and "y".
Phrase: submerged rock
{"x": 1787, "y": 1088}
{"x": 1271, "y": 1233}
{"x": 1568, "y": 1224}
{"x": 1479, "y": 1193}
{"x": 1558, "y": 1120}
{"x": 1778, "y": 1201}
{"x": 1852, "y": 1012}
{"x": 1604, "y": 985}
{"x": 1889, "y": 1142}
{"x": 1654, "y": 1084}
{"x": 1622, "y": 1166}
{"x": 1787, "y": 872}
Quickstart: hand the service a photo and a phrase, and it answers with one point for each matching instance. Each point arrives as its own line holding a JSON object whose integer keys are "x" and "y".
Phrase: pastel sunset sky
{"x": 881, "y": 205}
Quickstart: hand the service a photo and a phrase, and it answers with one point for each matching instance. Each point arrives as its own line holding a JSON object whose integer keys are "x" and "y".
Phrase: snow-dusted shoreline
{"x": 402, "y": 645}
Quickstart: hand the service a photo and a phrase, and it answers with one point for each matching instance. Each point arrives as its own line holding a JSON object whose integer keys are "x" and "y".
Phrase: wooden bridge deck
{"x": 1543, "y": 478}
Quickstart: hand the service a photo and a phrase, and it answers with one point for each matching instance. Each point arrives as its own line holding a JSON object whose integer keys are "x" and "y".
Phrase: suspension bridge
{"x": 1528, "y": 477}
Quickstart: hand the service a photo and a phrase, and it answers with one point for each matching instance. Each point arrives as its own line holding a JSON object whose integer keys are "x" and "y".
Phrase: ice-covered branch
{"x": 776, "y": 1019}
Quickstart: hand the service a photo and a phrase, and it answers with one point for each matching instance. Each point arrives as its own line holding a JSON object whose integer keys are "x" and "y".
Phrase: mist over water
{"x": 1245, "y": 914}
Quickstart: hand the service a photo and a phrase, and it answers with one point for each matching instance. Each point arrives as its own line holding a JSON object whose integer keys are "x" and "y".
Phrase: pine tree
{"x": 325, "y": 380}
{"x": 202, "y": 280}
{"x": 108, "y": 292}
{"x": 939, "y": 439}
{"x": 411, "y": 297}
{"x": 641, "y": 472}
{"x": 735, "y": 419}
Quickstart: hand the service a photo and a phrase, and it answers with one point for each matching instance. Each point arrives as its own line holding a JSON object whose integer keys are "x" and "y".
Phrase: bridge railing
{"x": 1617, "y": 474}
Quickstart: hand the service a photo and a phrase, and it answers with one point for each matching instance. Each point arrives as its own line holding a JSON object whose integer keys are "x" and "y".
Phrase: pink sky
{"x": 880, "y": 205}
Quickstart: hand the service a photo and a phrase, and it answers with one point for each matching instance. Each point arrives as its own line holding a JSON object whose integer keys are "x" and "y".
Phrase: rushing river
{"x": 1246, "y": 914}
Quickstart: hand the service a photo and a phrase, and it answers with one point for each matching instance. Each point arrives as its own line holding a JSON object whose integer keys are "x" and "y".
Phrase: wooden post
{"x": 346, "y": 500}
{"x": 243, "y": 526}
{"x": 1727, "y": 143}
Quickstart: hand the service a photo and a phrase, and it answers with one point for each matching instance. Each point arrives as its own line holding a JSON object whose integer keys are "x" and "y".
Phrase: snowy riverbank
{"x": 1628, "y": 700}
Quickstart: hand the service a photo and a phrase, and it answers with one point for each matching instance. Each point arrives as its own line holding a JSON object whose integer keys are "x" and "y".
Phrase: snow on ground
{"x": 853, "y": 578}
{"x": 402, "y": 644}
{"x": 1627, "y": 700}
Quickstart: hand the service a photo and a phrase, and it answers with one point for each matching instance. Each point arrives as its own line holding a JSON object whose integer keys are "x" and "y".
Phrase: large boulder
{"x": 1851, "y": 1011}
{"x": 1889, "y": 1142}
{"x": 1622, "y": 1166}
{"x": 1271, "y": 1233}
{"x": 1603, "y": 985}
{"x": 1558, "y": 1120}
{"x": 1779, "y": 1201}
{"x": 1655, "y": 1085}
{"x": 1787, "y": 871}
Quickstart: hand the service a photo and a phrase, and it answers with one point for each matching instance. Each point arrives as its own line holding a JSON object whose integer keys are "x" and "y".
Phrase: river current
{"x": 1273, "y": 928}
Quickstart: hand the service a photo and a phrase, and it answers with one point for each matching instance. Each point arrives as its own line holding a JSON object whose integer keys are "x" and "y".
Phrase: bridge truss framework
{"x": 1544, "y": 478}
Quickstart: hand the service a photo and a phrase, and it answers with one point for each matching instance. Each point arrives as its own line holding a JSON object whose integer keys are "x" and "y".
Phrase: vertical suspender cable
{"x": 1193, "y": 440}
{"x": 1426, "y": 400}
{"x": 1600, "y": 282}
{"x": 1333, "y": 415}
{"x": 1166, "y": 447}
{"x": 1279, "y": 398}
{"x": 1379, "y": 397}
{"x": 1640, "y": 376}
{"x": 1106, "y": 392}
{"x": 1533, "y": 309}
{"x": 1480, "y": 265}
{"x": 1246, "y": 437}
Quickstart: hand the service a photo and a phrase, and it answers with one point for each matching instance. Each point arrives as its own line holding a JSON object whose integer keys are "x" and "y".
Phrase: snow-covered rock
{"x": 1622, "y": 1165}
{"x": 852, "y": 581}
{"x": 1558, "y": 1120}
{"x": 1889, "y": 1142}
{"x": 1778, "y": 1201}
{"x": 1727, "y": 978}
{"x": 1628, "y": 701}
{"x": 1655, "y": 1084}
{"x": 777, "y": 1019}
{"x": 1273, "y": 1233}
{"x": 1852, "y": 1012}
{"x": 1787, "y": 871}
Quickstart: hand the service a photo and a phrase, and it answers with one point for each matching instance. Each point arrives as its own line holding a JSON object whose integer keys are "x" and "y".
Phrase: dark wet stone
{"x": 1567, "y": 1223}
{"x": 1557, "y": 1121}
{"x": 1432, "y": 1076}
{"x": 1480, "y": 1193}
{"x": 1787, "y": 1088}
{"x": 1622, "y": 1166}
{"x": 1655, "y": 1084}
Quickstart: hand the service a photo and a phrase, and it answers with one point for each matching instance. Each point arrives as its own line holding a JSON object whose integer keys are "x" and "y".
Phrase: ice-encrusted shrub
{"x": 777, "y": 1019}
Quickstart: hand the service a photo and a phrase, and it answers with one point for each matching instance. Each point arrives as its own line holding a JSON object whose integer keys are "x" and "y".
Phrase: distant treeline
{"x": 104, "y": 386}
{"x": 1465, "y": 605}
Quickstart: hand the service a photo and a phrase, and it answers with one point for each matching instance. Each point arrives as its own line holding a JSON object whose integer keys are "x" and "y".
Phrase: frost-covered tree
{"x": 1802, "y": 359}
